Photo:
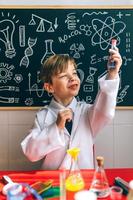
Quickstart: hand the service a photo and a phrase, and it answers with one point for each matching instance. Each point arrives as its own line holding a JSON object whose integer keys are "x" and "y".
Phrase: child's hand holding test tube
{"x": 114, "y": 61}
{"x": 113, "y": 47}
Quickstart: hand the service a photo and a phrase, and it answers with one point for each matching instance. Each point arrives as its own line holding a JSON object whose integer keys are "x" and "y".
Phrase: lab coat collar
{"x": 54, "y": 108}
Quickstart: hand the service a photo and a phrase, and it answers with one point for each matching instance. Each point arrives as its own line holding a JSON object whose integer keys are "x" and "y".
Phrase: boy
{"x": 49, "y": 139}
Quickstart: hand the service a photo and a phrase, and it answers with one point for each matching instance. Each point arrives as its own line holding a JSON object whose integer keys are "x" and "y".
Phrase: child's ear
{"x": 48, "y": 87}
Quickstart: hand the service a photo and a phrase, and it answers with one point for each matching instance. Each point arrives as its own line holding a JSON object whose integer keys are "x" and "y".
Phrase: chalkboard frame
{"x": 61, "y": 7}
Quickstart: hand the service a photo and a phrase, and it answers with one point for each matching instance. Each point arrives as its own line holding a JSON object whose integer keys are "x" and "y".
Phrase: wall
{"x": 114, "y": 142}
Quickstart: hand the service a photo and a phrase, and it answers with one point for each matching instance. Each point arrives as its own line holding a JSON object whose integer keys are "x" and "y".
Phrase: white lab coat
{"x": 46, "y": 141}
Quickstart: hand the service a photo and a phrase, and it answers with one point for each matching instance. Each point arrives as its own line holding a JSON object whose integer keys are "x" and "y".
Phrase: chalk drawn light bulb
{"x": 7, "y": 28}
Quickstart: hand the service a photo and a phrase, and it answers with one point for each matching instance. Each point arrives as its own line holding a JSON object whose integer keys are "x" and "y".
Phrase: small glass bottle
{"x": 113, "y": 44}
{"x": 100, "y": 184}
{"x": 113, "y": 47}
{"x": 130, "y": 194}
{"x": 74, "y": 181}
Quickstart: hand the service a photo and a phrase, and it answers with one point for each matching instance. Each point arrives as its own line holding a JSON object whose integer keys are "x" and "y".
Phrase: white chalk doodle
{"x": 76, "y": 50}
{"x": 71, "y": 21}
{"x": 9, "y": 88}
{"x": 22, "y": 36}
{"x": 48, "y": 50}
{"x": 88, "y": 99}
{"x": 86, "y": 28}
{"x": 122, "y": 94}
{"x": 28, "y": 52}
{"x": 7, "y": 100}
{"x": 41, "y": 26}
{"x": 18, "y": 78}
{"x": 29, "y": 101}
{"x": 95, "y": 59}
{"x": 64, "y": 38}
{"x": 126, "y": 60}
{"x": 88, "y": 88}
{"x": 105, "y": 31}
{"x": 5, "y": 72}
{"x": 90, "y": 77}
{"x": 7, "y": 29}
{"x": 34, "y": 88}
{"x": 95, "y": 13}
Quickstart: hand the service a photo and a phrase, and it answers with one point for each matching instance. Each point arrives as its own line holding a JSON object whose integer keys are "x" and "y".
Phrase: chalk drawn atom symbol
{"x": 105, "y": 31}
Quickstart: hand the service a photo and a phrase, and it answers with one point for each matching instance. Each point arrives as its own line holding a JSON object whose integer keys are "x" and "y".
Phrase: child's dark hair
{"x": 54, "y": 65}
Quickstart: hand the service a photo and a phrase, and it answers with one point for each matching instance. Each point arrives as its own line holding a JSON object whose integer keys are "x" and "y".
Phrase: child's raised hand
{"x": 63, "y": 116}
{"x": 116, "y": 58}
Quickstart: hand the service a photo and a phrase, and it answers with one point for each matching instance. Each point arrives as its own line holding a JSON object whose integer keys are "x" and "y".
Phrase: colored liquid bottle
{"x": 100, "y": 184}
{"x": 74, "y": 181}
{"x": 113, "y": 46}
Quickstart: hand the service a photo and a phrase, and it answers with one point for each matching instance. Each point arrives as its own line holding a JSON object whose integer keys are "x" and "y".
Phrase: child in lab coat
{"x": 49, "y": 139}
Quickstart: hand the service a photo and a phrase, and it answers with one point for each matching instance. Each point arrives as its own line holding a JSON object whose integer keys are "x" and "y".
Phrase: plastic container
{"x": 14, "y": 193}
{"x": 85, "y": 195}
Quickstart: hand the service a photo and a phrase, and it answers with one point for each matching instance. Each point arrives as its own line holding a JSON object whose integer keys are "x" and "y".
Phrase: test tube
{"x": 113, "y": 46}
{"x": 62, "y": 185}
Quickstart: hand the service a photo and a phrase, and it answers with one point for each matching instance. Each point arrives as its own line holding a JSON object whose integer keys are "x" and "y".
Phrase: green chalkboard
{"x": 29, "y": 35}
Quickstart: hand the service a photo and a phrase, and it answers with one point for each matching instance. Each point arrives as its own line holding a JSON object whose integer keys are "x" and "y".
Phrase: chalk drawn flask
{"x": 49, "y": 52}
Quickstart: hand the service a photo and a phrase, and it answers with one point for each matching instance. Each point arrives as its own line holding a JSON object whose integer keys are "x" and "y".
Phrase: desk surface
{"x": 34, "y": 176}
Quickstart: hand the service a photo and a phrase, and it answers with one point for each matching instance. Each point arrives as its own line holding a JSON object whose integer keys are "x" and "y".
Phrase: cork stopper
{"x": 100, "y": 161}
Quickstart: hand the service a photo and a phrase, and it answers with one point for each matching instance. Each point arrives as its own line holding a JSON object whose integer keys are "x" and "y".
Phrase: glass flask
{"x": 74, "y": 180}
{"x": 100, "y": 184}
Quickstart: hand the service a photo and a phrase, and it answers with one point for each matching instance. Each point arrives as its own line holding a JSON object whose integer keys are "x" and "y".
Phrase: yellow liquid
{"x": 74, "y": 183}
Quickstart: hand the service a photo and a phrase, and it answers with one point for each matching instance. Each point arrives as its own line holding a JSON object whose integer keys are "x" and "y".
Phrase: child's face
{"x": 65, "y": 85}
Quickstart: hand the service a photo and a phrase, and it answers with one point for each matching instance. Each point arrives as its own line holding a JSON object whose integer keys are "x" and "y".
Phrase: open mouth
{"x": 74, "y": 86}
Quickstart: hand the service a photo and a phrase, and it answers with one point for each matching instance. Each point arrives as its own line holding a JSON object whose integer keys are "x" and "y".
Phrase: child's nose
{"x": 71, "y": 77}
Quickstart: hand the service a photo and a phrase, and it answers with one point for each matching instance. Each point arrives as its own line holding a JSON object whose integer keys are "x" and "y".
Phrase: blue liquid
{"x": 111, "y": 65}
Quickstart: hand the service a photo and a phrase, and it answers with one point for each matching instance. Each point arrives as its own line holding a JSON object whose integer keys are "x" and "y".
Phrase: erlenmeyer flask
{"x": 74, "y": 180}
{"x": 100, "y": 183}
